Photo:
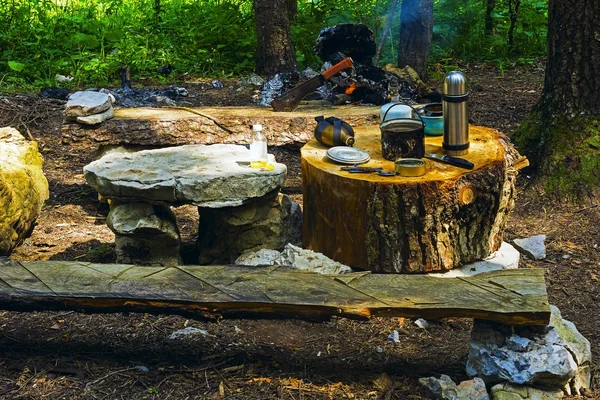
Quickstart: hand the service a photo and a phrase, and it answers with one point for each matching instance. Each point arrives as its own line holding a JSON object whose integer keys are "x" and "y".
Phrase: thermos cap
{"x": 455, "y": 84}
{"x": 257, "y": 127}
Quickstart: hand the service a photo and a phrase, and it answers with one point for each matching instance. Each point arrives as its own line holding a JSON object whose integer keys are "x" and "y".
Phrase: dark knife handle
{"x": 459, "y": 162}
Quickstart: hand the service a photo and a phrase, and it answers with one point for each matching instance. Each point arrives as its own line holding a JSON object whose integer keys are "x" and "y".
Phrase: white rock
{"x": 62, "y": 78}
{"x": 506, "y": 257}
{"x": 97, "y": 118}
{"x": 308, "y": 260}
{"x": 533, "y": 247}
{"x": 188, "y": 331}
{"x": 260, "y": 257}
{"x": 83, "y": 103}
{"x": 421, "y": 323}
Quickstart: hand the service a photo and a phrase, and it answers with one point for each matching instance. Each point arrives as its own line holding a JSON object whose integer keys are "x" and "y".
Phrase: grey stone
{"x": 145, "y": 234}
{"x": 265, "y": 223}
{"x": 209, "y": 176}
{"x": 308, "y": 260}
{"x": 555, "y": 357}
{"x": 506, "y": 257}
{"x": 510, "y": 391}
{"x": 533, "y": 246}
{"x": 23, "y": 188}
{"x": 83, "y": 103}
{"x": 251, "y": 80}
{"x": 97, "y": 118}
{"x": 445, "y": 389}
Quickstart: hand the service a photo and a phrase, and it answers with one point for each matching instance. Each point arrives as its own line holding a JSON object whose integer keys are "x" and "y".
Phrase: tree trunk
{"x": 275, "y": 50}
{"x": 513, "y": 10}
{"x": 489, "y": 21}
{"x": 416, "y": 29}
{"x": 563, "y": 125}
{"x": 292, "y": 7}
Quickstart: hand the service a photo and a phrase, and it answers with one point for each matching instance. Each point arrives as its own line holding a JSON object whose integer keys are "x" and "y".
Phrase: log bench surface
{"x": 444, "y": 219}
{"x": 510, "y": 296}
{"x": 167, "y": 126}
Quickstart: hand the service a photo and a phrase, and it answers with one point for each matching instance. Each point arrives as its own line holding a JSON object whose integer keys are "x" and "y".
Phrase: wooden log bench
{"x": 516, "y": 297}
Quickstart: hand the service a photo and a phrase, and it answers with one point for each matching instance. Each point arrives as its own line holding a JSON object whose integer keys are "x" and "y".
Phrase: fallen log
{"x": 165, "y": 126}
{"x": 511, "y": 296}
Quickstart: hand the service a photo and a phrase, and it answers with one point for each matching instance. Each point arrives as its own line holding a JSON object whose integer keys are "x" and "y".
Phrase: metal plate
{"x": 348, "y": 155}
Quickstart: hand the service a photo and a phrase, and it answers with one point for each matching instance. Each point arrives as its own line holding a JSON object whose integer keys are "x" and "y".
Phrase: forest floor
{"x": 68, "y": 355}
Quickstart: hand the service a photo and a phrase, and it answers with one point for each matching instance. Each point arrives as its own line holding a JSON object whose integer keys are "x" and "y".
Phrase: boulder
{"x": 85, "y": 103}
{"x": 23, "y": 188}
{"x": 556, "y": 356}
{"x": 265, "y": 223}
{"x": 445, "y": 389}
{"x": 145, "y": 234}
{"x": 510, "y": 391}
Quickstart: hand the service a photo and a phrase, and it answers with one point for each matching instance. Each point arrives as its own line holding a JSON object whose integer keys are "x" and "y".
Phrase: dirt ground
{"x": 68, "y": 355}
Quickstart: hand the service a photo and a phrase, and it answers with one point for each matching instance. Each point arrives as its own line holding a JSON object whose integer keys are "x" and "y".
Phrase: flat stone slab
{"x": 212, "y": 176}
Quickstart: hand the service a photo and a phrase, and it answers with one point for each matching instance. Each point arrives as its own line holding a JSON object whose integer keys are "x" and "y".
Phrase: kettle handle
{"x": 403, "y": 104}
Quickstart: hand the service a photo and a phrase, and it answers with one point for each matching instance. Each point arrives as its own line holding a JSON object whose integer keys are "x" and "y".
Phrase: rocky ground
{"x": 52, "y": 355}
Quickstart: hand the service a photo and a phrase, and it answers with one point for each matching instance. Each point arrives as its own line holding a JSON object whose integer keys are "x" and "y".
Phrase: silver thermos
{"x": 456, "y": 119}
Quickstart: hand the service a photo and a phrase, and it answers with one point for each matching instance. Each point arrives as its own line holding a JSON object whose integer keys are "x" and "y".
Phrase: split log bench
{"x": 516, "y": 297}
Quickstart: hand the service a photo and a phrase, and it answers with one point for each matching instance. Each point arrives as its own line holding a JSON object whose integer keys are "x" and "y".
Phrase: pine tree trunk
{"x": 559, "y": 135}
{"x": 416, "y": 29}
{"x": 572, "y": 82}
{"x": 275, "y": 49}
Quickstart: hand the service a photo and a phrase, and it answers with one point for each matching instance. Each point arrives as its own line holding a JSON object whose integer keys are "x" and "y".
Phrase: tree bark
{"x": 275, "y": 49}
{"x": 554, "y": 135}
{"x": 489, "y": 21}
{"x": 513, "y": 10}
{"x": 416, "y": 30}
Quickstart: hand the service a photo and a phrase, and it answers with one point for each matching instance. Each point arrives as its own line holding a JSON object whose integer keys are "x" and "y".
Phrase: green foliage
{"x": 91, "y": 39}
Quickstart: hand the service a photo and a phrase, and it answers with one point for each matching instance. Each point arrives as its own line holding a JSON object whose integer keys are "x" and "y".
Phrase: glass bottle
{"x": 258, "y": 148}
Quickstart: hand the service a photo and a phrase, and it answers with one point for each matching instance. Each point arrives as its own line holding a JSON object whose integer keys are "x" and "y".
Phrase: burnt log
{"x": 439, "y": 221}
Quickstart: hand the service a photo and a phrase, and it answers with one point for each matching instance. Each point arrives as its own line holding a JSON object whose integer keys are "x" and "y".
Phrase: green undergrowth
{"x": 564, "y": 152}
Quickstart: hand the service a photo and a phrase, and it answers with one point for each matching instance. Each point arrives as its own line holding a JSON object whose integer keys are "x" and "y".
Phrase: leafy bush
{"x": 91, "y": 39}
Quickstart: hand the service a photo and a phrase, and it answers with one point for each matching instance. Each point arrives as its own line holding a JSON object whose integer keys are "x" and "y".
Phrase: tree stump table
{"x": 446, "y": 218}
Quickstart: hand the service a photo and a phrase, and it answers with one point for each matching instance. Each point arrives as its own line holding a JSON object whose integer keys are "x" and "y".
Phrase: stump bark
{"x": 436, "y": 222}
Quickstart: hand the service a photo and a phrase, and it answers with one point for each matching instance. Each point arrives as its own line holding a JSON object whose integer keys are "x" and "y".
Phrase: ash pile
{"x": 365, "y": 83}
{"x": 129, "y": 97}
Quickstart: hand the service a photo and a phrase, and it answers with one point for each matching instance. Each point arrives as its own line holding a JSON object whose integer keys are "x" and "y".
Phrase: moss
{"x": 559, "y": 150}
